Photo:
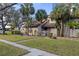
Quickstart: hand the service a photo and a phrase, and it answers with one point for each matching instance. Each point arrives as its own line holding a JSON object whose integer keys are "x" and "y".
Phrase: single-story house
{"x": 49, "y": 28}
{"x": 33, "y": 30}
{"x": 44, "y": 28}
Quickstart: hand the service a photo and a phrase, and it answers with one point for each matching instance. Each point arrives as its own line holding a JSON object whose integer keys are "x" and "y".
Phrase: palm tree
{"x": 27, "y": 10}
{"x": 61, "y": 14}
{"x": 41, "y": 15}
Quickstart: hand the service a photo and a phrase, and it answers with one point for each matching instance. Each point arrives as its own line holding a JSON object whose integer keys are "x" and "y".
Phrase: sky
{"x": 47, "y": 6}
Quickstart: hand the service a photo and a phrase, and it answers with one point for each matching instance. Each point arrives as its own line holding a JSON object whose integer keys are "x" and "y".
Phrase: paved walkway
{"x": 33, "y": 51}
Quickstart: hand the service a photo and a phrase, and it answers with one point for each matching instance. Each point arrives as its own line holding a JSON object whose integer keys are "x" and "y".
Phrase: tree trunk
{"x": 3, "y": 26}
{"x": 58, "y": 31}
{"x": 62, "y": 29}
{"x": 27, "y": 24}
{"x": 58, "y": 28}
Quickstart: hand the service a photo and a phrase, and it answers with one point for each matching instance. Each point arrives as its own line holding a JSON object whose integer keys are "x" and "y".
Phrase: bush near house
{"x": 16, "y": 32}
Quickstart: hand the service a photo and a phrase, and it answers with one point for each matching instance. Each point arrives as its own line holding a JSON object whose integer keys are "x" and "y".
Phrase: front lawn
{"x": 15, "y": 38}
{"x": 8, "y": 50}
{"x": 59, "y": 47}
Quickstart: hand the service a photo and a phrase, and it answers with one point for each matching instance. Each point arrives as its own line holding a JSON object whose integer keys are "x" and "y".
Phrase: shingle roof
{"x": 35, "y": 24}
{"x": 43, "y": 24}
{"x": 49, "y": 25}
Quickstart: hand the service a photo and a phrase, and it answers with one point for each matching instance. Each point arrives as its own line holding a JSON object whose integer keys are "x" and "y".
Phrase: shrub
{"x": 50, "y": 35}
{"x": 16, "y": 32}
{"x": 8, "y": 32}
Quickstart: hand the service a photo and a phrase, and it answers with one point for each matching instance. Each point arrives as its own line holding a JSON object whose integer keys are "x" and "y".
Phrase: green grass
{"x": 15, "y": 38}
{"x": 59, "y": 47}
{"x": 8, "y": 50}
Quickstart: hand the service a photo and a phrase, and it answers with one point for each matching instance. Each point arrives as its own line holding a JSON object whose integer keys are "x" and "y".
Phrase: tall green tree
{"x": 27, "y": 10}
{"x": 73, "y": 24}
{"x": 62, "y": 14}
{"x": 41, "y": 15}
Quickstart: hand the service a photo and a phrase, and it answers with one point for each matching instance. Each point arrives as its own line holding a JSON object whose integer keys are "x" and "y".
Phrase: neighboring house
{"x": 49, "y": 27}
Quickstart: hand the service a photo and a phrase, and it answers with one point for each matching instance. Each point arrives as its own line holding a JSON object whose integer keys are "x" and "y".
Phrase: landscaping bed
{"x": 59, "y": 47}
{"x": 8, "y": 50}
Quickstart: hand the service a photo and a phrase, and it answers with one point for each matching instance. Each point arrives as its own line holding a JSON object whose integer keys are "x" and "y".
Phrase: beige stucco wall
{"x": 34, "y": 31}
{"x": 23, "y": 30}
{"x": 54, "y": 31}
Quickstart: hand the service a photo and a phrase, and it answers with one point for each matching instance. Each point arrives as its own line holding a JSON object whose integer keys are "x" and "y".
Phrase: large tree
{"x": 61, "y": 14}
{"x": 3, "y": 13}
{"x": 15, "y": 17}
{"x": 27, "y": 10}
{"x": 41, "y": 15}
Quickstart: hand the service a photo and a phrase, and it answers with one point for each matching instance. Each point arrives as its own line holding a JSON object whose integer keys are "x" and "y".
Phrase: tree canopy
{"x": 62, "y": 13}
{"x": 41, "y": 15}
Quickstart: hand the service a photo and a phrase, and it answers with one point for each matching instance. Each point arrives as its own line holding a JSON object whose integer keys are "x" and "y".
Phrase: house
{"x": 44, "y": 28}
{"x": 33, "y": 30}
{"x": 49, "y": 27}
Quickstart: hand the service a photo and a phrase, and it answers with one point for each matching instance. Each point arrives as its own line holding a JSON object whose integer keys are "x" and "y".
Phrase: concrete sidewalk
{"x": 33, "y": 51}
